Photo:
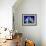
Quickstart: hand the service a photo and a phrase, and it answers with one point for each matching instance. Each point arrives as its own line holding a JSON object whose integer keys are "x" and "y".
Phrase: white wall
{"x": 6, "y": 13}
{"x": 6, "y": 16}
{"x": 28, "y": 7}
{"x": 43, "y": 22}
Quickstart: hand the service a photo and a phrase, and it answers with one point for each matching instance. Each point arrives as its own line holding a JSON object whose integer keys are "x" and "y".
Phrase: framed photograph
{"x": 29, "y": 19}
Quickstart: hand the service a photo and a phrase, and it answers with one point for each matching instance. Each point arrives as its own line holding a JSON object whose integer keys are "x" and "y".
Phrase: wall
{"x": 28, "y": 7}
{"x": 43, "y": 22}
{"x": 6, "y": 13}
{"x": 6, "y": 16}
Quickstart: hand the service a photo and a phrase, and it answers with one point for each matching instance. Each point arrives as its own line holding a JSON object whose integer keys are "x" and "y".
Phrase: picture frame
{"x": 29, "y": 19}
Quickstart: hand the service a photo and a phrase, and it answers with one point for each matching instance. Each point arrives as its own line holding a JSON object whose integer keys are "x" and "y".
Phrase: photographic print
{"x": 29, "y": 19}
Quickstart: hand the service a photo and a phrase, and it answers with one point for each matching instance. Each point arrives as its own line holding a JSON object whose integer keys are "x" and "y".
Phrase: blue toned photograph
{"x": 29, "y": 19}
